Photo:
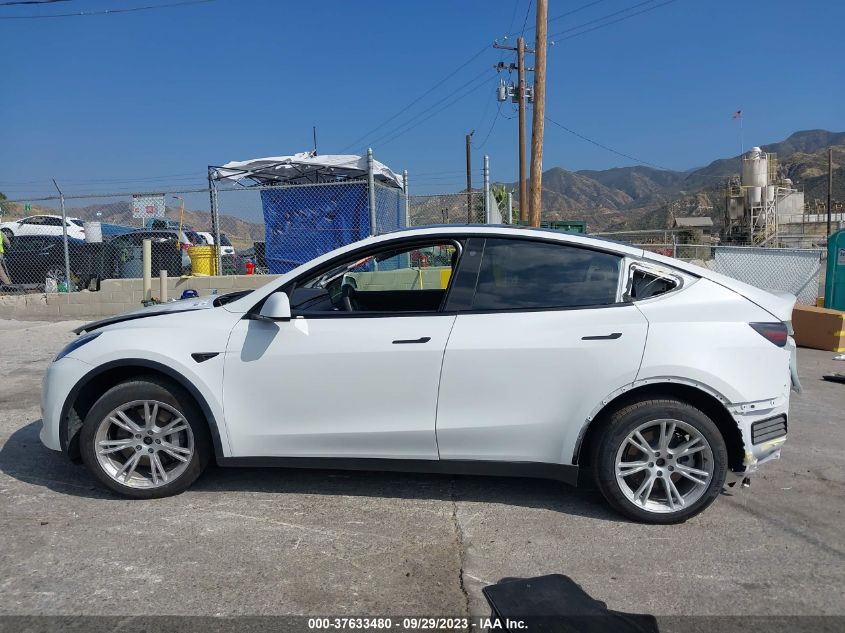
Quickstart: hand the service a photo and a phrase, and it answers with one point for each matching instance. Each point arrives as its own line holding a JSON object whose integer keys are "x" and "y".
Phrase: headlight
{"x": 82, "y": 340}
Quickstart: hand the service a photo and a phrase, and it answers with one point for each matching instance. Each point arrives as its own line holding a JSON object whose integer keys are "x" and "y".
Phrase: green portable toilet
{"x": 834, "y": 284}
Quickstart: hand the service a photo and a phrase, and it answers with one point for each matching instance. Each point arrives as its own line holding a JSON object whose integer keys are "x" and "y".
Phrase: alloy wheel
{"x": 664, "y": 465}
{"x": 144, "y": 444}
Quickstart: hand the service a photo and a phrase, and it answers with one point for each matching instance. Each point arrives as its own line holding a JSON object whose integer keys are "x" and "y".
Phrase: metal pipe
{"x": 487, "y": 210}
{"x": 162, "y": 286}
{"x": 147, "y": 262}
{"x": 371, "y": 187}
{"x": 407, "y": 199}
{"x": 64, "y": 236}
{"x": 215, "y": 220}
{"x": 510, "y": 207}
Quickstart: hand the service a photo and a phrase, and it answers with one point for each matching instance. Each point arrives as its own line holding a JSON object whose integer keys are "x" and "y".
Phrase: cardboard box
{"x": 820, "y": 328}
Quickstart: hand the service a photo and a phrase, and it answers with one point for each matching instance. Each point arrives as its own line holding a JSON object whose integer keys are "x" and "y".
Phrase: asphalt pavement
{"x": 314, "y": 542}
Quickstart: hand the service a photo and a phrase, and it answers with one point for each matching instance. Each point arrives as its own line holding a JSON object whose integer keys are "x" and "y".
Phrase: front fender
{"x": 184, "y": 377}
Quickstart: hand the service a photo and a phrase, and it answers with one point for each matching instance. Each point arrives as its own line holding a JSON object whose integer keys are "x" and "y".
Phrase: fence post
{"x": 64, "y": 235}
{"x": 147, "y": 272}
{"x": 486, "y": 189}
{"x": 407, "y": 199}
{"x": 371, "y": 190}
{"x": 215, "y": 219}
{"x": 510, "y": 207}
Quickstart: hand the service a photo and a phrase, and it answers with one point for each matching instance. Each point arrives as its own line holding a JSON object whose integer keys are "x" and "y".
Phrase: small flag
{"x": 737, "y": 114}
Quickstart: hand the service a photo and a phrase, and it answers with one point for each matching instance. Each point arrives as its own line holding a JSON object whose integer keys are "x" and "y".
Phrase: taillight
{"x": 776, "y": 333}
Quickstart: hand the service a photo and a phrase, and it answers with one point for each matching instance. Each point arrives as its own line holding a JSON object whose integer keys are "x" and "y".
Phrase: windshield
{"x": 76, "y": 222}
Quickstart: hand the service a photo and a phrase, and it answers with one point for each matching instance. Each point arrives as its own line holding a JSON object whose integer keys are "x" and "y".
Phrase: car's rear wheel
{"x": 145, "y": 439}
{"x": 660, "y": 461}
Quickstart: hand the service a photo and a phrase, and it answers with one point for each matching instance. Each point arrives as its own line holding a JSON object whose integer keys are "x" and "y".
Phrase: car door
{"x": 355, "y": 372}
{"x": 546, "y": 338}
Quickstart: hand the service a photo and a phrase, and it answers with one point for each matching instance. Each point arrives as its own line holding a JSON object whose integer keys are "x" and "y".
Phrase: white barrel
{"x": 93, "y": 232}
{"x": 755, "y": 196}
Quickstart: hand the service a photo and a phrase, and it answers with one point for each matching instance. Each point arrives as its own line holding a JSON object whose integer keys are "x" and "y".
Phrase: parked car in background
{"x": 522, "y": 352}
{"x": 226, "y": 247}
{"x": 32, "y": 259}
{"x": 43, "y": 225}
{"x": 195, "y": 238}
{"x": 166, "y": 224}
{"x": 122, "y": 257}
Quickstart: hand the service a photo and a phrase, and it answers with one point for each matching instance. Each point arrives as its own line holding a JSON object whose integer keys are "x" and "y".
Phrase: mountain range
{"x": 640, "y": 197}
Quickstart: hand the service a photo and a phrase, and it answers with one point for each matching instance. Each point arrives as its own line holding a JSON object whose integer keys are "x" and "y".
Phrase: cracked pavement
{"x": 279, "y": 541}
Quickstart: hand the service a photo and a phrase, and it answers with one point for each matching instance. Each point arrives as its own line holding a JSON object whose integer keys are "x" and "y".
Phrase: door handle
{"x": 605, "y": 337}
{"x": 403, "y": 341}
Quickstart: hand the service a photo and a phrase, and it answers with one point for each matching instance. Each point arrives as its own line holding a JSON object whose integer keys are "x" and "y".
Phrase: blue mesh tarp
{"x": 304, "y": 222}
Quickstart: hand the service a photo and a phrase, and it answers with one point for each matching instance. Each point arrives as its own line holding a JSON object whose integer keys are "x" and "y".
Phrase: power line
{"x": 17, "y": 2}
{"x": 605, "y": 147}
{"x": 601, "y": 26}
{"x": 438, "y": 111}
{"x": 415, "y": 101}
{"x": 490, "y": 131}
{"x": 105, "y": 11}
{"x": 562, "y": 15}
{"x": 525, "y": 21}
{"x": 378, "y": 139}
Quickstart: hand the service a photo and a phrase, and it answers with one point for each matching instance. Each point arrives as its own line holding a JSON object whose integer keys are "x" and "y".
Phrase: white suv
{"x": 43, "y": 225}
{"x": 458, "y": 349}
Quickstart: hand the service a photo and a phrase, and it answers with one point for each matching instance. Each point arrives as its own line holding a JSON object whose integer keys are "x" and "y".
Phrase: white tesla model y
{"x": 462, "y": 349}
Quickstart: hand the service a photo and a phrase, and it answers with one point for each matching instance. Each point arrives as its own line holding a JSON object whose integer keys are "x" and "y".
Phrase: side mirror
{"x": 276, "y": 308}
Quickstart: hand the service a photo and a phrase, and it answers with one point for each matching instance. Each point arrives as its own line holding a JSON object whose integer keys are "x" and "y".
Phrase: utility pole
{"x": 469, "y": 177}
{"x": 829, "y": 186}
{"x": 537, "y": 127}
{"x": 520, "y": 95}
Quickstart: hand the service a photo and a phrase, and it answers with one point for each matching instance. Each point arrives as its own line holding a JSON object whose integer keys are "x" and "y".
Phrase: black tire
{"x": 147, "y": 388}
{"x": 622, "y": 423}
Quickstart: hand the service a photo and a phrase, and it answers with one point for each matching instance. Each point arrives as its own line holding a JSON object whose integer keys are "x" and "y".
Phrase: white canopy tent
{"x": 306, "y": 167}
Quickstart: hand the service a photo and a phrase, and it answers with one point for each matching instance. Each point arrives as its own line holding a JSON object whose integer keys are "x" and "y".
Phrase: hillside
{"x": 629, "y": 198}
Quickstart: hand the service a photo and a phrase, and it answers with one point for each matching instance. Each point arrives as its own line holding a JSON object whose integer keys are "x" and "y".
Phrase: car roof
{"x": 154, "y": 231}
{"x": 508, "y": 230}
{"x": 49, "y": 215}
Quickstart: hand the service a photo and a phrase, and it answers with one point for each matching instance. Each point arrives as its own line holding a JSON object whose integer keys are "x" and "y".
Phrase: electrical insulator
{"x": 512, "y": 92}
{"x": 529, "y": 94}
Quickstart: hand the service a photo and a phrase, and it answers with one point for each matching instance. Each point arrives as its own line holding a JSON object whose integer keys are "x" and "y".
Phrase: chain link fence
{"x": 96, "y": 238}
{"x": 100, "y": 239}
{"x": 793, "y": 270}
{"x": 453, "y": 208}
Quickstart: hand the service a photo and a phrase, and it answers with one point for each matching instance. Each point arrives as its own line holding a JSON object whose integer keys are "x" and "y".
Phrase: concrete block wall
{"x": 118, "y": 295}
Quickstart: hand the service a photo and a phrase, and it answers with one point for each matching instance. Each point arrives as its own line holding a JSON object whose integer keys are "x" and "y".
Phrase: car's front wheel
{"x": 145, "y": 438}
{"x": 660, "y": 461}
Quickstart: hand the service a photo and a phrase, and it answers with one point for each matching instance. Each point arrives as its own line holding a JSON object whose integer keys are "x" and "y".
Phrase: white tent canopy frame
{"x": 305, "y": 168}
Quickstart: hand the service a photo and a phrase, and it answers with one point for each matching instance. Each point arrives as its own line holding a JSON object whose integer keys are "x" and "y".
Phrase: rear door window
{"x": 525, "y": 274}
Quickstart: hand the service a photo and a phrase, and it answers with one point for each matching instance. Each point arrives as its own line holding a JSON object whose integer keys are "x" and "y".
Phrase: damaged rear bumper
{"x": 764, "y": 426}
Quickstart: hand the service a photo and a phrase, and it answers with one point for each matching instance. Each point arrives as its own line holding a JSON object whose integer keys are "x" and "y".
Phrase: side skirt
{"x": 565, "y": 473}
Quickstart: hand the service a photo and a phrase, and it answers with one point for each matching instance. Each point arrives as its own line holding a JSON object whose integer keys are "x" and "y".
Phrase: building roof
{"x": 690, "y": 222}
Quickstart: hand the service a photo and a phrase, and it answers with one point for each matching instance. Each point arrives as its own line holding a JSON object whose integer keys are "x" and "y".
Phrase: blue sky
{"x": 158, "y": 95}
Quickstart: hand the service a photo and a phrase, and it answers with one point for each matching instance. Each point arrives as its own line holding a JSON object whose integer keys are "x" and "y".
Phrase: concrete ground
{"x": 277, "y": 541}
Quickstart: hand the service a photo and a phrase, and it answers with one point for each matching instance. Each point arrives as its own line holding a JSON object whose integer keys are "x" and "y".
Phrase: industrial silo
{"x": 755, "y": 175}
